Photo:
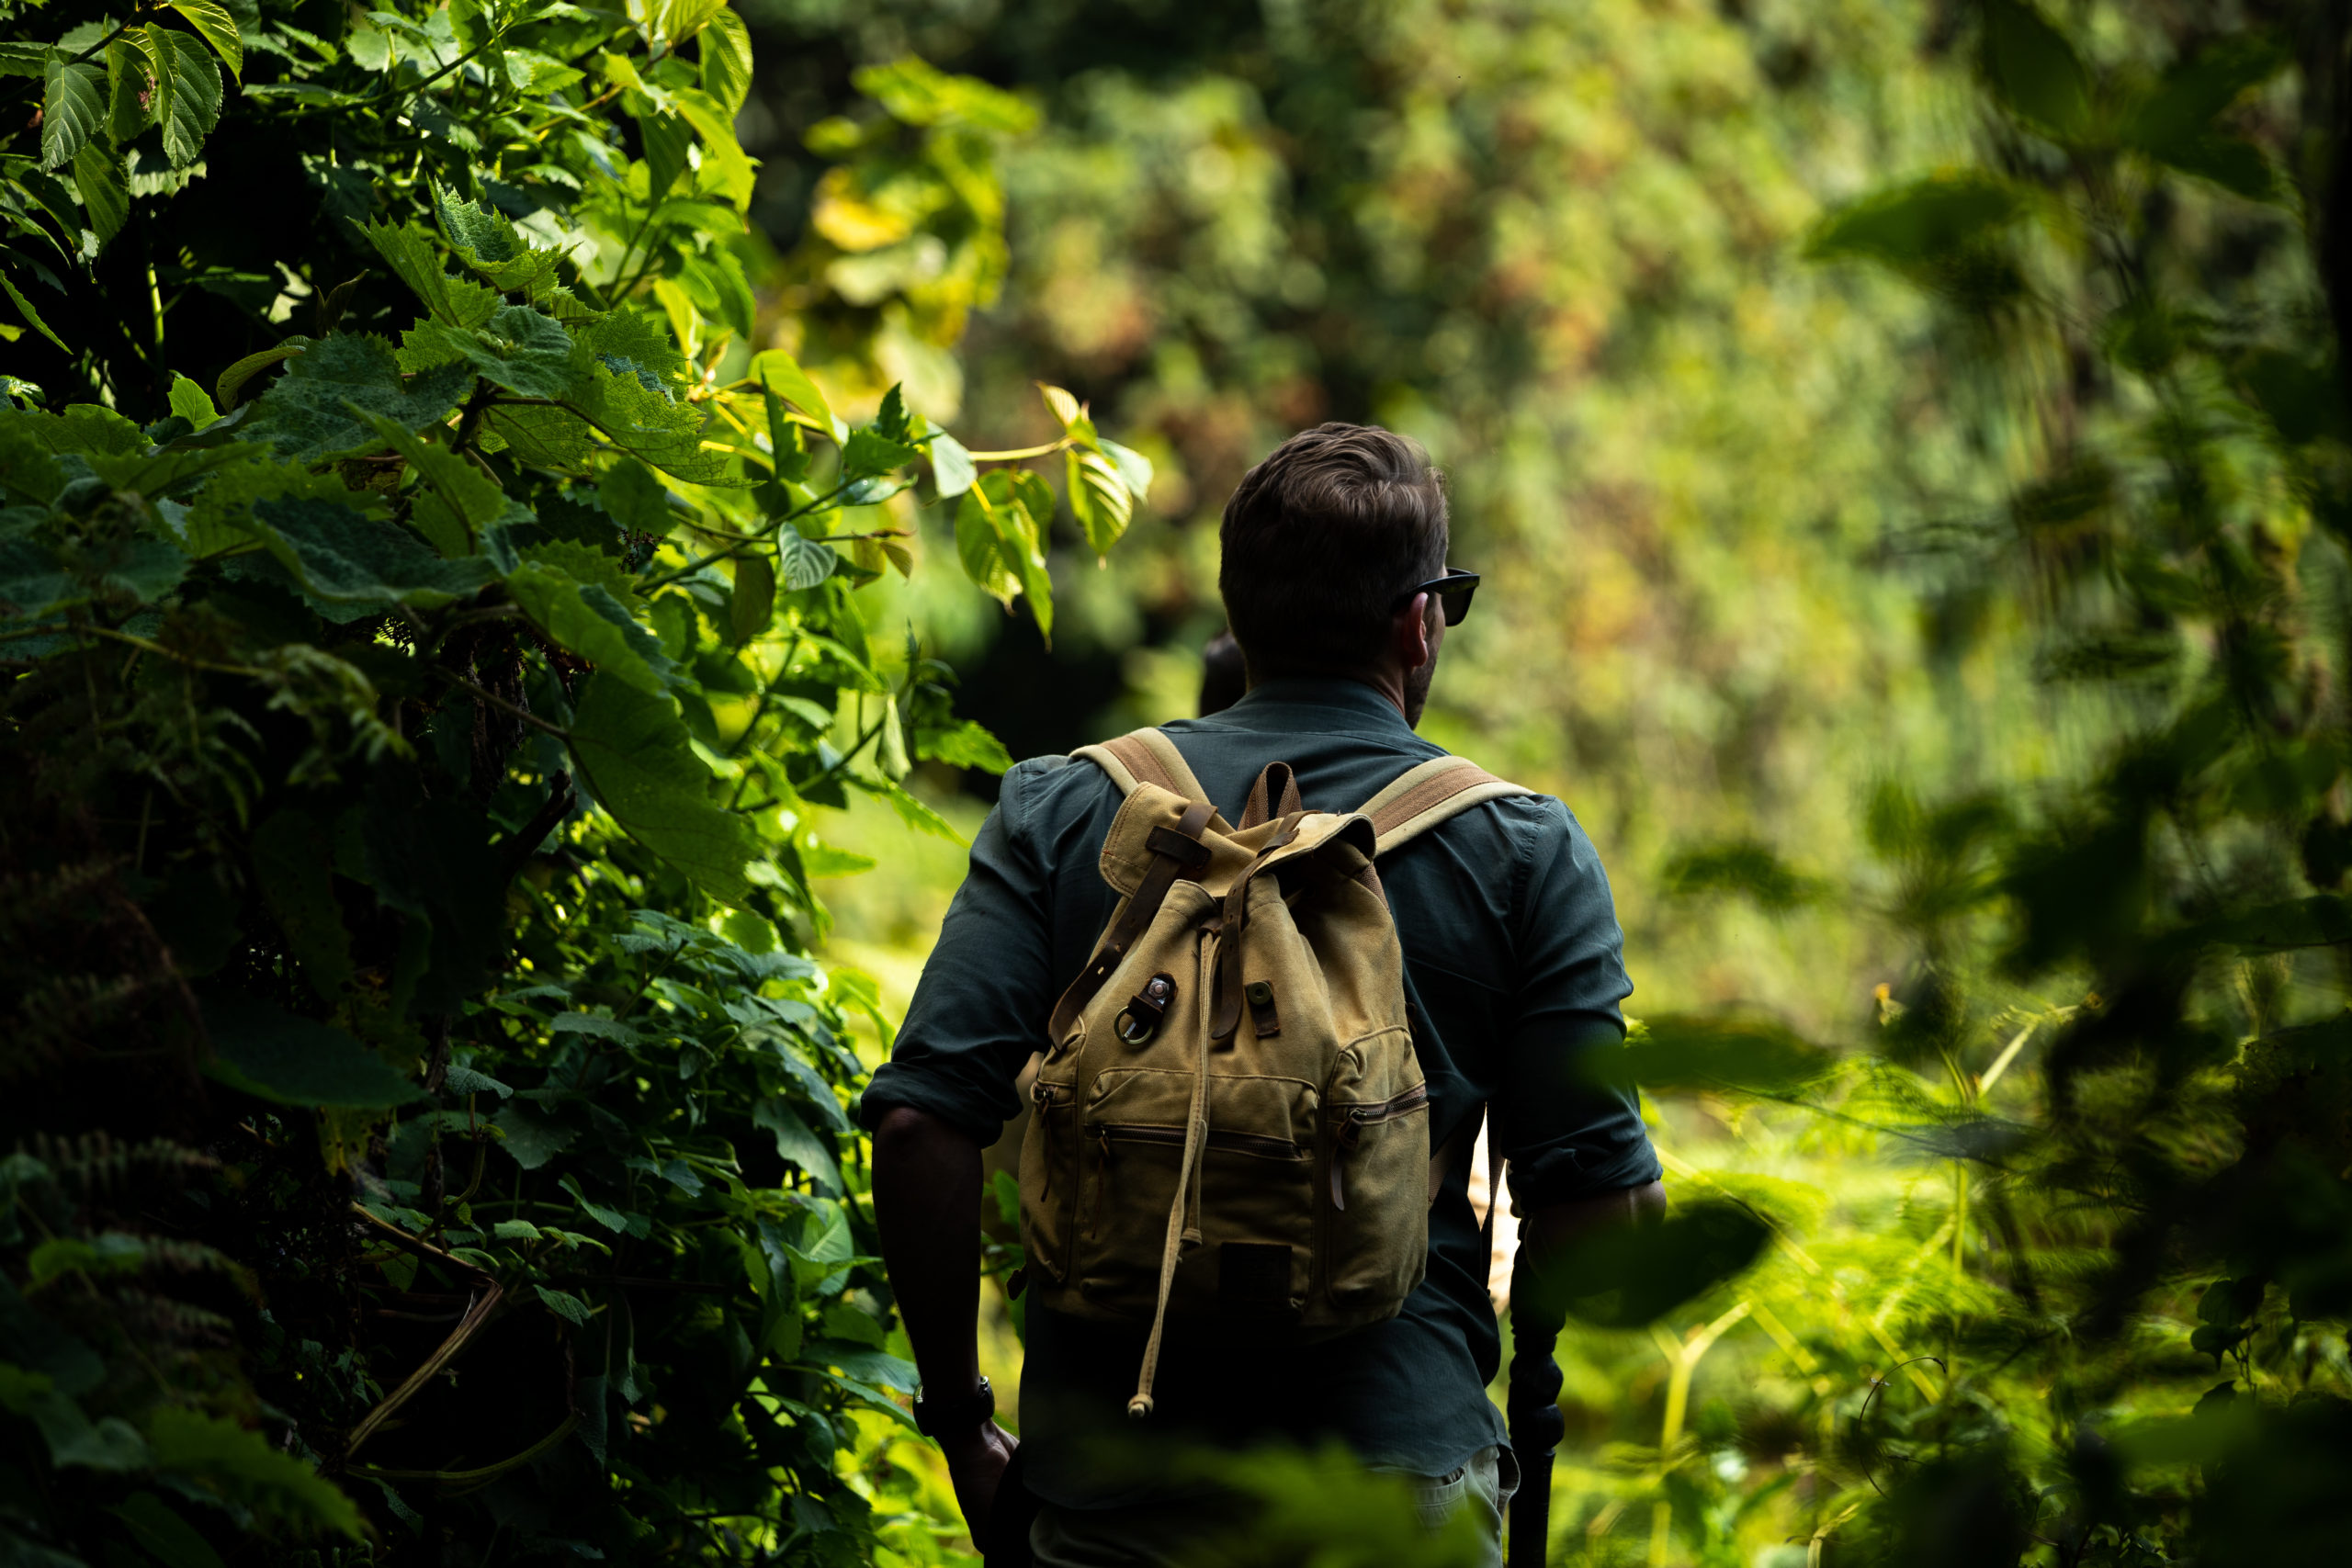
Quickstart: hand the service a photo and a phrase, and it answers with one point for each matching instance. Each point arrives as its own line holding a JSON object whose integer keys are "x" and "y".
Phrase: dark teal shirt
{"x": 1513, "y": 956}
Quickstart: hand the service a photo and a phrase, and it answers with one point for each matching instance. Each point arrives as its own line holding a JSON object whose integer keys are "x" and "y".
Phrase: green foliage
{"x": 418, "y": 750}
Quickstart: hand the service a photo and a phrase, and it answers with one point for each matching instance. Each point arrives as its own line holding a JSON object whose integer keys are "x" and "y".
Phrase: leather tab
{"x": 1141, "y": 910}
{"x": 1275, "y": 794}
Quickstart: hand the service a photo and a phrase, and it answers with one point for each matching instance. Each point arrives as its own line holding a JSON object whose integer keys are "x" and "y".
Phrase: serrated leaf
{"x": 97, "y": 176}
{"x": 71, "y": 103}
{"x": 216, "y": 27}
{"x": 635, "y": 754}
{"x": 568, "y": 1307}
{"x": 590, "y": 621}
{"x": 967, "y": 745}
{"x": 266, "y": 1050}
{"x": 626, "y": 409}
{"x": 1098, "y": 498}
{"x": 458, "y": 302}
{"x": 636, "y": 498}
{"x": 869, "y": 453}
{"x": 484, "y": 239}
{"x": 520, "y": 349}
{"x": 325, "y": 405}
{"x": 753, "y": 604}
{"x": 187, "y": 86}
{"x": 340, "y": 555}
{"x": 458, "y": 500}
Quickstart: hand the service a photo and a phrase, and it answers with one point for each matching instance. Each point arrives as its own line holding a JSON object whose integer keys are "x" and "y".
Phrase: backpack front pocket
{"x": 1050, "y": 1170}
{"x": 1377, "y": 1175}
{"x": 1250, "y": 1209}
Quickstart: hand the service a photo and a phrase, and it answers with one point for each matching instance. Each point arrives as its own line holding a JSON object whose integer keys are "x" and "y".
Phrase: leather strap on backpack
{"x": 1173, "y": 854}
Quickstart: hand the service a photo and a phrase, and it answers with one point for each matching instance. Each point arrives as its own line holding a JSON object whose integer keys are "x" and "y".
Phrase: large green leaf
{"x": 73, "y": 101}
{"x": 97, "y": 176}
{"x": 2034, "y": 69}
{"x": 1000, "y": 526}
{"x": 781, "y": 374}
{"x": 456, "y": 499}
{"x": 264, "y": 1050}
{"x": 725, "y": 49}
{"x": 635, "y": 754}
{"x": 343, "y": 555}
{"x": 216, "y": 27}
{"x": 457, "y": 301}
{"x": 1099, "y": 498}
{"x": 523, "y": 350}
{"x": 753, "y": 604}
{"x": 188, "y": 85}
{"x": 591, "y": 621}
{"x": 484, "y": 239}
{"x": 326, "y": 403}
{"x": 244, "y": 1469}
{"x": 606, "y": 407}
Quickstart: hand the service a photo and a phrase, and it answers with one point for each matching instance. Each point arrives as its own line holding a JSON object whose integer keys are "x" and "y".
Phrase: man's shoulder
{"x": 1041, "y": 793}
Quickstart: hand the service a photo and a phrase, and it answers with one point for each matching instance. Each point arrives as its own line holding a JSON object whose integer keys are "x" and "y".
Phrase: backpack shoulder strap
{"x": 1141, "y": 757}
{"x": 1427, "y": 794}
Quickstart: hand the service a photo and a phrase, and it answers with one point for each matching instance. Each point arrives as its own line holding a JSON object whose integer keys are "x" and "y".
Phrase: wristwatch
{"x": 933, "y": 1416}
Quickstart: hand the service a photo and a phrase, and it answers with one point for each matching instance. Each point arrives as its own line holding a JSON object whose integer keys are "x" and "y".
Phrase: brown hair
{"x": 1319, "y": 541}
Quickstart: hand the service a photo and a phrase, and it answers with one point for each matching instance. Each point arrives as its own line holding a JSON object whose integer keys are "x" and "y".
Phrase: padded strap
{"x": 1145, "y": 756}
{"x": 1422, "y": 796}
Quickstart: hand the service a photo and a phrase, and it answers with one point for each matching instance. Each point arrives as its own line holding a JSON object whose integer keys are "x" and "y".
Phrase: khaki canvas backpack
{"x": 1231, "y": 1124}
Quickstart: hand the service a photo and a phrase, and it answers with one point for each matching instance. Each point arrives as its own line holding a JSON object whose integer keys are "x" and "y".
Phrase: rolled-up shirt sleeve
{"x": 979, "y": 1009}
{"x": 1567, "y": 1131}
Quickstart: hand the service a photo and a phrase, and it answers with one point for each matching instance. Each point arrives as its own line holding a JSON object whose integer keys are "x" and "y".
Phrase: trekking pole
{"x": 1534, "y": 1406}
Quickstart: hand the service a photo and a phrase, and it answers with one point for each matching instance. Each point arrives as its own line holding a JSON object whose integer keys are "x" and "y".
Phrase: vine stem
{"x": 495, "y": 700}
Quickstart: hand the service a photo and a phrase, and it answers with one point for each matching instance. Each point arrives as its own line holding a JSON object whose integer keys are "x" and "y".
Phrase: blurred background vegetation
{"x": 1907, "y": 448}
{"x": 1902, "y": 444}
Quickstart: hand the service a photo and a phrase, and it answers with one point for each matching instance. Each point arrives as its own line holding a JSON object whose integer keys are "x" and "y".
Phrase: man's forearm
{"x": 927, "y": 1205}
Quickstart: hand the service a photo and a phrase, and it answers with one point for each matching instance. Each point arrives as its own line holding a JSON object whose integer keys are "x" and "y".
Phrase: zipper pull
{"x": 1338, "y": 1198}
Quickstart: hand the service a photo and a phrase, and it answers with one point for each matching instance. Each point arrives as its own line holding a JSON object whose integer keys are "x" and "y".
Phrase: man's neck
{"x": 1388, "y": 681}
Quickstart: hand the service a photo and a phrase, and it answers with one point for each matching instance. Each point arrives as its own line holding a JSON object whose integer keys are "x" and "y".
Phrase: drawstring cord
{"x": 1180, "y": 1235}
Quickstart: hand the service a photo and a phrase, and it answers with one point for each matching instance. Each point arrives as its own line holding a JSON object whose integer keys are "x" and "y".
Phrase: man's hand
{"x": 976, "y": 1462}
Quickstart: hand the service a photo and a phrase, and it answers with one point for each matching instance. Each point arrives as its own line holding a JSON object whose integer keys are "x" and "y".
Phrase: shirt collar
{"x": 1316, "y": 703}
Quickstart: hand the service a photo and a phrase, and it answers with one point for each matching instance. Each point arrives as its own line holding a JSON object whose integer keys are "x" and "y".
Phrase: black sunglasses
{"x": 1453, "y": 591}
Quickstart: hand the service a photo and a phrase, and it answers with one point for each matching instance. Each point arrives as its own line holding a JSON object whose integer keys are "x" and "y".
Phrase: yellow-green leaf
{"x": 216, "y": 27}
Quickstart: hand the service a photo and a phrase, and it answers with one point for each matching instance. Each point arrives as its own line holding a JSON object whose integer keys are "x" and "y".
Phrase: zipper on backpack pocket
{"x": 1260, "y": 1144}
{"x": 1349, "y": 1132}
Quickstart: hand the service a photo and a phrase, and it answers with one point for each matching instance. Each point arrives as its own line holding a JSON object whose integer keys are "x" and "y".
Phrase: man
{"x": 1513, "y": 955}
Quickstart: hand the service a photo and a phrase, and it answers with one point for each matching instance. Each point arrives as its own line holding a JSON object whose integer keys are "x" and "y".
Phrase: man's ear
{"x": 1410, "y": 632}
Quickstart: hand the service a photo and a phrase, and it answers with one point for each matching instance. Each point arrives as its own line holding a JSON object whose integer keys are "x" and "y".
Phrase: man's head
{"x": 1321, "y": 542}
